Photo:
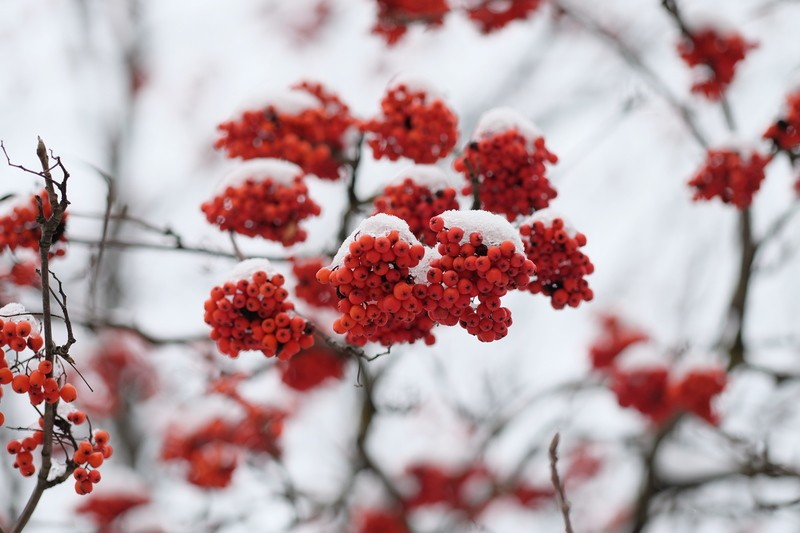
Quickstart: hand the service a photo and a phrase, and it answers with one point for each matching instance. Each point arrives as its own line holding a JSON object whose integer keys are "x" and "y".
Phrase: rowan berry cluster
{"x": 312, "y": 128}
{"x": 252, "y": 313}
{"x": 394, "y": 16}
{"x": 616, "y": 338}
{"x": 20, "y": 227}
{"x": 481, "y": 256}
{"x": 716, "y": 54}
{"x": 561, "y": 267}
{"x": 492, "y": 15}
{"x": 422, "y": 194}
{"x": 312, "y": 367}
{"x": 105, "y": 508}
{"x": 379, "y": 295}
{"x": 414, "y": 124}
{"x": 506, "y": 162}
{"x": 23, "y": 451}
{"x": 267, "y": 199}
{"x": 785, "y": 132}
{"x": 89, "y": 457}
{"x": 213, "y": 450}
{"x": 730, "y": 176}
{"x": 23, "y": 274}
{"x": 308, "y": 288}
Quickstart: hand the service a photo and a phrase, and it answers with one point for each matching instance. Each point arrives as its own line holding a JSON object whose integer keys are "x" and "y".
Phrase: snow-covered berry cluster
{"x": 422, "y": 194}
{"x": 506, "y": 162}
{"x": 266, "y": 198}
{"x": 252, "y": 312}
{"x": 414, "y": 123}
{"x": 729, "y": 176}
{"x": 20, "y": 228}
{"x": 561, "y": 267}
{"x": 492, "y": 15}
{"x": 394, "y": 16}
{"x": 310, "y": 127}
{"x": 715, "y": 54}
{"x": 379, "y": 296}
{"x": 480, "y": 256}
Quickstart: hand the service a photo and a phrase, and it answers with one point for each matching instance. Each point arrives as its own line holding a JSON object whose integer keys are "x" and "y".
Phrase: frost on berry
{"x": 506, "y": 160}
{"x": 266, "y": 198}
{"x": 414, "y": 123}
{"x": 310, "y": 127}
{"x": 251, "y": 312}
{"x": 19, "y": 227}
{"x": 492, "y": 15}
{"x": 480, "y": 256}
{"x": 307, "y": 287}
{"x": 785, "y": 132}
{"x": 729, "y": 176}
{"x": 561, "y": 268}
{"x": 615, "y": 338}
{"x": 421, "y": 192}
{"x": 714, "y": 55}
{"x": 311, "y": 368}
{"x": 394, "y": 16}
{"x": 381, "y": 294}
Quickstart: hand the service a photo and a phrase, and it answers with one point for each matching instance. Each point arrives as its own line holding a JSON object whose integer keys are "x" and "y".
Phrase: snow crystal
{"x": 547, "y": 216}
{"x": 278, "y": 170}
{"x": 430, "y": 176}
{"x": 501, "y": 119}
{"x": 15, "y": 312}
{"x": 494, "y": 228}
{"x": 377, "y": 225}
{"x": 414, "y": 83}
{"x": 248, "y": 267}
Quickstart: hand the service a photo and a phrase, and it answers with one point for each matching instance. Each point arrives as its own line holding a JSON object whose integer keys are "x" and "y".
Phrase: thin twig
{"x": 561, "y": 495}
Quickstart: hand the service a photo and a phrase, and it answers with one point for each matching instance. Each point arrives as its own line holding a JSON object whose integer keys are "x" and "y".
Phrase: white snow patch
{"x": 502, "y": 119}
{"x": 420, "y": 272}
{"x": 290, "y": 102}
{"x": 378, "y": 226}
{"x": 547, "y": 216}
{"x": 248, "y": 267}
{"x": 414, "y": 83}
{"x": 258, "y": 170}
{"x": 430, "y": 176}
{"x": 15, "y": 312}
{"x": 494, "y": 228}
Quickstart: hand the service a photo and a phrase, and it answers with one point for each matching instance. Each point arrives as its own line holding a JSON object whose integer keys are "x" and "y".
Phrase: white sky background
{"x": 665, "y": 263}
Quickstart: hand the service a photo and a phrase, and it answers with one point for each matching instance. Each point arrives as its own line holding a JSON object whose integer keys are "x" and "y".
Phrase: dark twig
{"x": 561, "y": 495}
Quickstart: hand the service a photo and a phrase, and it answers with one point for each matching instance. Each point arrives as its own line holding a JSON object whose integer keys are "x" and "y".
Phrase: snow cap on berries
{"x": 15, "y": 312}
{"x": 257, "y": 170}
{"x": 378, "y": 225}
{"x": 547, "y": 216}
{"x": 430, "y": 176}
{"x": 501, "y": 119}
{"x": 245, "y": 269}
{"x": 494, "y": 228}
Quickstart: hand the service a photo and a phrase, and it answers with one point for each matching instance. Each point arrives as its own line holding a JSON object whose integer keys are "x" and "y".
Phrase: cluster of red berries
{"x": 785, "y": 132}
{"x": 259, "y": 200}
{"x": 730, "y": 176}
{"x": 19, "y": 335}
{"x": 472, "y": 265}
{"x": 380, "y": 521}
{"x": 717, "y": 55}
{"x": 89, "y": 457}
{"x": 105, "y": 508}
{"x": 492, "y": 15}
{"x": 20, "y": 229}
{"x": 39, "y": 385}
{"x": 510, "y": 172}
{"x": 413, "y": 124}
{"x": 457, "y": 489}
{"x": 315, "y": 138}
{"x": 23, "y": 274}
{"x": 252, "y": 313}
{"x": 213, "y": 450}
{"x": 23, "y": 451}
{"x": 310, "y": 368}
{"x": 654, "y": 393}
{"x": 561, "y": 267}
{"x": 394, "y": 16}
{"x": 308, "y": 288}
{"x": 616, "y": 338}
{"x": 379, "y": 297}
{"x": 416, "y": 203}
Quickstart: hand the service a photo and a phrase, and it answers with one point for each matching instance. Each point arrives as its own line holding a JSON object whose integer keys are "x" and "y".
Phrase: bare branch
{"x": 561, "y": 495}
